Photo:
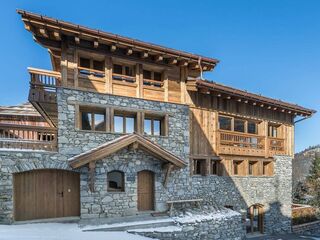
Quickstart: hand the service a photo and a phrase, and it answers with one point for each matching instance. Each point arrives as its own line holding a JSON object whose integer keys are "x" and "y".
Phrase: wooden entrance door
{"x": 43, "y": 194}
{"x": 255, "y": 219}
{"x": 145, "y": 191}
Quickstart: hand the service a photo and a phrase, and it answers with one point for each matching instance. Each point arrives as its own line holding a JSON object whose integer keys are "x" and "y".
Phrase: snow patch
{"x": 194, "y": 218}
{"x": 59, "y": 231}
{"x": 159, "y": 229}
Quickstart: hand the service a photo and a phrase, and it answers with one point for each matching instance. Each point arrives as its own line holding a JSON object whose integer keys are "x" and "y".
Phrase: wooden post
{"x": 64, "y": 64}
{"x": 91, "y": 177}
{"x": 168, "y": 168}
{"x": 166, "y": 85}
{"x": 108, "y": 74}
{"x": 75, "y": 69}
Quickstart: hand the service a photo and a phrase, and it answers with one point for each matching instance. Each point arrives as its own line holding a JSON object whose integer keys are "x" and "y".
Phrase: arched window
{"x": 115, "y": 181}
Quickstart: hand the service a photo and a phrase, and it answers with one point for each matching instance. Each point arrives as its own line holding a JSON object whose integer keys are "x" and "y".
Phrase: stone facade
{"x": 274, "y": 193}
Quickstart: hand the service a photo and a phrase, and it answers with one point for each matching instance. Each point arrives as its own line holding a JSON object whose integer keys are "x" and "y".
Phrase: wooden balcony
{"x": 42, "y": 93}
{"x": 14, "y": 136}
{"x": 236, "y": 143}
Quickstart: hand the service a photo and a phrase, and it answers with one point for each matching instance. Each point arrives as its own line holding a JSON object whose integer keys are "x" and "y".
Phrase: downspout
{"x": 201, "y": 71}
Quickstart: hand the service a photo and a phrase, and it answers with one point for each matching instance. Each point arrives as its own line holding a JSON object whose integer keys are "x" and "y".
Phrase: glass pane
{"x": 86, "y": 121}
{"x": 213, "y": 167}
{"x": 117, "y": 69}
{"x": 118, "y": 124}
{"x": 156, "y": 127}
{"x": 99, "y": 122}
{"x": 146, "y": 74}
{"x": 128, "y": 71}
{"x": 85, "y": 62}
{"x": 147, "y": 126}
{"x": 225, "y": 123}
{"x": 129, "y": 125}
{"x": 98, "y": 65}
{"x": 252, "y": 127}
{"x": 238, "y": 125}
{"x": 157, "y": 76}
{"x": 115, "y": 181}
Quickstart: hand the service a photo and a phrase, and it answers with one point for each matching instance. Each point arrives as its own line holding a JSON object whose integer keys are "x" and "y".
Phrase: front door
{"x": 145, "y": 191}
{"x": 255, "y": 219}
{"x": 40, "y": 194}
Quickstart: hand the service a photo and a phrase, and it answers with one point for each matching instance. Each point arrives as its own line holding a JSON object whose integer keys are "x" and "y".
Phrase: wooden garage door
{"x": 43, "y": 194}
{"x": 145, "y": 191}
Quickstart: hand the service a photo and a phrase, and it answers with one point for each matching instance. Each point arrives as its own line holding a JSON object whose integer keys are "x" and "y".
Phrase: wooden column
{"x": 64, "y": 64}
{"x": 75, "y": 68}
{"x": 183, "y": 80}
{"x": 91, "y": 177}
{"x": 139, "y": 80}
{"x": 166, "y": 85}
{"x": 108, "y": 74}
{"x": 168, "y": 168}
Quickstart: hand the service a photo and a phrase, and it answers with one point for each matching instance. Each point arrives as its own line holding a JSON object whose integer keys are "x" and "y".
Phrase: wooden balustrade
{"x": 249, "y": 144}
{"x": 126, "y": 78}
{"x": 28, "y": 137}
{"x": 44, "y": 78}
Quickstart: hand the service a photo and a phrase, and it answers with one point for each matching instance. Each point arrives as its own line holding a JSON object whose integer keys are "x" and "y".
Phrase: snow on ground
{"x": 189, "y": 217}
{"x": 126, "y": 224}
{"x": 159, "y": 229}
{"x": 59, "y": 231}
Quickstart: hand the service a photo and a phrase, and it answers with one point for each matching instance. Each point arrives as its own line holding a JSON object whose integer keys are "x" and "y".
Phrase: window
{"x": 253, "y": 168}
{"x": 238, "y": 168}
{"x": 151, "y": 78}
{"x": 88, "y": 66}
{"x": 252, "y": 127}
{"x": 239, "y": 125}
{"x": 124, "y": 122}
{"x": 123, "y": 73}
{"x": 267, "y": 169}
{"x": 93, "y": 120}
{"x": 199, "y": 167}
{"x": 273, "y": 131}
{"x": 115, "y": 181}
{"x": 215, "y": 167}
{"x": 225, "y": 123}
{"x": 152, "y": 126}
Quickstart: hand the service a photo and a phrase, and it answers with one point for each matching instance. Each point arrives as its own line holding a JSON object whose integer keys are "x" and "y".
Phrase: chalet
{"x": 132, "y": 126}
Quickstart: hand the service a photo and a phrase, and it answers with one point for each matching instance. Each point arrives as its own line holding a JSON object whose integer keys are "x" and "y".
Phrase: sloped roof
{"x": 124, "y": 141}
{"x": 25, "y": 109}
{"x": 195, "y": 84}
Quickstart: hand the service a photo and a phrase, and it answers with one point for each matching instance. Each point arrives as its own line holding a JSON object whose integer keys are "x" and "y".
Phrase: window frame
{"x": 91, "y": 71}
{"x": 123, "y": 76}
{"x": 93, "y": 112}
{"x": 202, "y": 166}
{"x": 122, "y": 189}
{"x": 232, "y": 127}
{"x": 271, "y": 128}
{"x": 152, "y": 82}
{"x": 124, "y": 116}
{"x": 153, "y": 119}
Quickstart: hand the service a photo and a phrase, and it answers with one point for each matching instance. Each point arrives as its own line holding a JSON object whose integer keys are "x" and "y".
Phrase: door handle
{"x": 60, "y": 194}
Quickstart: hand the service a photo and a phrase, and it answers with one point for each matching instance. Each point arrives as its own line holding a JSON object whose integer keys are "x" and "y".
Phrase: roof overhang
{"x": 50, "y": 32}
{"x": 207, "y": 87}
{"x": 135, "y": 141}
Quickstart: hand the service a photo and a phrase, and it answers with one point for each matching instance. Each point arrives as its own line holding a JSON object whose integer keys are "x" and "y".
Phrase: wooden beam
{"x": 43, "y": 32}
{"x": 113, "y": 48}
{"x": 168, "y": 168}
{"x": 205, "y": 68}
{"x": 57, "y": 36}
{"x": 158, "y": 58}
{"x": 134, "y": 146}
{"x": 27, "y": 26}
{"x": 92, "y": 168}
{"x": 96, "y": 44}
{"x": 129, "y": 51}
{"x": 77, "y": 40}
{"x": 183, "y": 63}
{"x": 173, "y": 61}
{"x": 144, "y": 54}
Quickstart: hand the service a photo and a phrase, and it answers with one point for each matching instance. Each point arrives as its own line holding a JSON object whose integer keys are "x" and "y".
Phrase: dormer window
{"x": 88, "y": 66}
{"x": 123, "y": 73}
{"x": 151, "y": 78}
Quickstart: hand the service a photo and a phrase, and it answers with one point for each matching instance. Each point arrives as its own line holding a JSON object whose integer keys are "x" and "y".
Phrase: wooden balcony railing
{"x": 121, "y": 77}
{"x": 28, "y": 137}
{"x": 276, "y": 146}
{"x": 249, "y": 144}
{"x": 44, "y": 78}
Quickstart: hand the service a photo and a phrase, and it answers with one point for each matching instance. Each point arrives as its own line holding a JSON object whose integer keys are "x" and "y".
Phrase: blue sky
{"x": 269, "y": 47}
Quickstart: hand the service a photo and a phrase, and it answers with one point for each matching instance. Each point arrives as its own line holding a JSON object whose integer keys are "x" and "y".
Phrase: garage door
{"x": 43, "y": 194}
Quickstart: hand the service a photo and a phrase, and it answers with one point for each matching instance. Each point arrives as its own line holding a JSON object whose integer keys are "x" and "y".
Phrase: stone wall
{"x": 274, "y": 193}
{"x": 307, "y": 228}
{"x": 227, "y": 228}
